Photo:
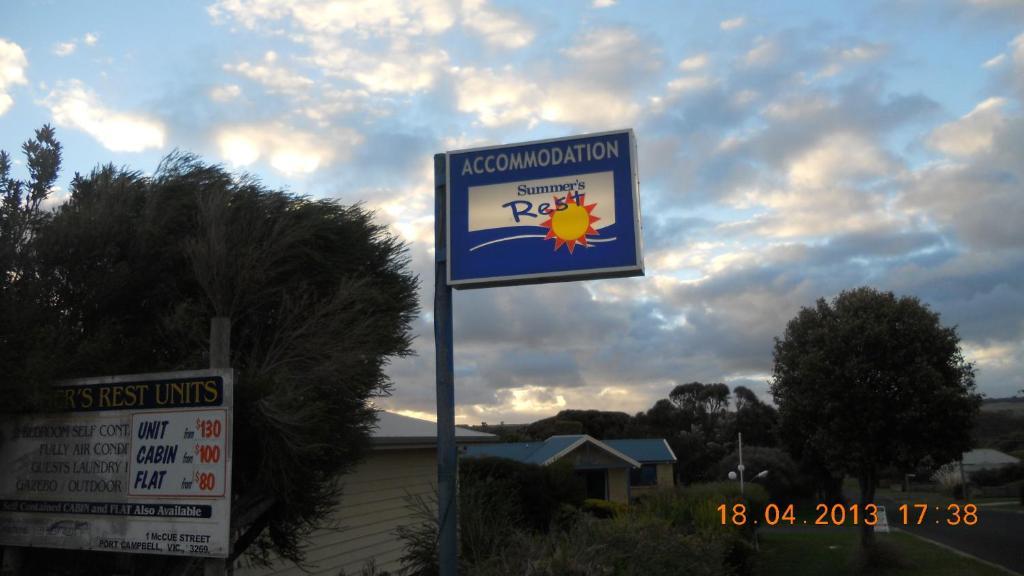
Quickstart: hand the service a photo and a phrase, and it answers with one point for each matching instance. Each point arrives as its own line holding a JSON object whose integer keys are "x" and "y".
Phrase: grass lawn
{"x": 832, "y": 552}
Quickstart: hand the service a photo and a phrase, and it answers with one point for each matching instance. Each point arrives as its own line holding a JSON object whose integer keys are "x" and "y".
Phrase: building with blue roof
{"x": 616, "y": 470}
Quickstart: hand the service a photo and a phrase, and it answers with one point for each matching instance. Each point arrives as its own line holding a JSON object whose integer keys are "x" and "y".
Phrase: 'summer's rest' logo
{"x": 572, "y": 224}
{"x": 571, "y": 211}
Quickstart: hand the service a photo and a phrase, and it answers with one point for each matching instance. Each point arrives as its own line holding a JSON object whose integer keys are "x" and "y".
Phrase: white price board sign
{"x": 137, "y": 464}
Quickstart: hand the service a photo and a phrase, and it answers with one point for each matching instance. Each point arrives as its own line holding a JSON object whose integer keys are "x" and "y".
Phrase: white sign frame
{"x": 48, "y": 463}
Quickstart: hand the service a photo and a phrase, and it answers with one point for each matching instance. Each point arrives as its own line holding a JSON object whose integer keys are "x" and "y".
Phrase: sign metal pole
{"x": 220, "y": 357}
{"x": 447, "y": 463}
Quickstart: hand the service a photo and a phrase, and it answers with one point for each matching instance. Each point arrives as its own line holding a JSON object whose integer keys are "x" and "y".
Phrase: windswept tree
{"x": 754, "y": 419}
{"x": 125, "y": 276}
{"x": 22, "y": 214}
{"x": 870, "y": 380}
{"x": 701, "y": 404}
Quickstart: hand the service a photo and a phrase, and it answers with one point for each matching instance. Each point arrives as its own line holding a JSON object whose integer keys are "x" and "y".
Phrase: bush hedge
{"x": 666, "y": 533}
{"x": 998, "y": 476}
{"x": 536, "y": 492}
{"x": 603, "y": 508}
{"x": 784, "y": 482}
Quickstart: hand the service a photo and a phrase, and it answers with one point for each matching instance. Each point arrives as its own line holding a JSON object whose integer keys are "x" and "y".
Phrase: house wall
{"x": 666, "y": 479}
{"x": 373, "y": 505}
{"x": 618, "y": 485}
{"x": 666, "y": 476}
{"x": 588, "y": 456}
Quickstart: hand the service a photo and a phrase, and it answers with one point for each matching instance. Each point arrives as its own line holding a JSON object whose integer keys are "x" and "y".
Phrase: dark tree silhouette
{"x": 125, "y": 276}
{"x": 871, "y": 380}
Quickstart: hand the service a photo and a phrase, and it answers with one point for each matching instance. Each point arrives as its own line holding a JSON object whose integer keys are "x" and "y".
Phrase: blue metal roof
{"x": 513, "y": 451}
{"x": 646, "y": 450}
{"x": 552, "y": 447}
{"x": 529, "y": 452}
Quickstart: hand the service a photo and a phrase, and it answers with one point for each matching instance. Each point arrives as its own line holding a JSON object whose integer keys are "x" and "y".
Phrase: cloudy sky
{"x": 787, "y": 150}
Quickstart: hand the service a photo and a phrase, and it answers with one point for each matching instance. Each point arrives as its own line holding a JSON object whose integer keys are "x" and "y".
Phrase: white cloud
{"x": 497, "y": 27}
{"x": 971, "y": 134}
{"x": 382, "y": 44}
{"x": 403, "y": 69}
{"x": 275, "y": 77}
{"x": 863, "y": 52}
{"x": 505, "y": 97}
{"x": 733, "y": 23}
{"x": 408, "y": 72}
{"x": 12, "y": 71}
{"x": 286, "y": 149}
{"x": 333, "y": 102}
{"x": 68, "y": 48}
{"x": 765, "y": 51}
{"x": 603, "y": 3}
{"x": 382, "y": 18}
{"x": 604, "y": 44}
{"x": 75, "y": 106}
{"x": 793, "y": 108}
{"x": 589, "y": 108}
{"x": 225, "y": 93}
{"x": 496, "y": 97}
{"x": 994, "y": 61}
{"x": 1018, "y": 62}
{"x": 64, "y": 48}
{"x": 838, "y": 157}
{"x": 529, "y": 400}
{"x": 852, "y": 56}
{"x": 744, "y": 97}
{"x": 694, "y": 63}
{"x": 689, "y": 84}
{"x": 990, "y": 355}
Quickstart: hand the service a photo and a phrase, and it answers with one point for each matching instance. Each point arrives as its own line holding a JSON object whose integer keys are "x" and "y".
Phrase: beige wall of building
{"x": 618, "y": 485}
{"x": 373, "y": 505}
{"x": 666, "y": 477}
{"x": 666, "y": 480}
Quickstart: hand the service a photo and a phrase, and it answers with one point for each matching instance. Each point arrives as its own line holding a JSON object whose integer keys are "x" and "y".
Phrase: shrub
{"x": 420, "y": 540}
{"x": 784, "y": 481}
{"x": 627, "y": 545}
{"x": 488, "y": 517}
{"x": 958, "y": 492}
{"x": 998, "y": 476}
{"x": 694, "y": 509}
{"x": 599, "y": 508}
{"x": 667, "y": 533}
{"x": 538, "y": 492}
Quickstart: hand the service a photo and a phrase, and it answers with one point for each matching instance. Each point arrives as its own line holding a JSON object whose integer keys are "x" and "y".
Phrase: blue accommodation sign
{"x": 544, "y": 211}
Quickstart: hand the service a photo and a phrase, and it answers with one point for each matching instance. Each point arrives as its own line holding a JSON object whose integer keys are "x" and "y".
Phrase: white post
{"x": 963, "y": 478}
{"x": 220, "y": 357}
{"x": 739, "y": 435}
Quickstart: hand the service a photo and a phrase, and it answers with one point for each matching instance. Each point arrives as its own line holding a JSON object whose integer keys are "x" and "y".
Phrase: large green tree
{"x": 870, "y": 380}
{"x": 125, "y": 276}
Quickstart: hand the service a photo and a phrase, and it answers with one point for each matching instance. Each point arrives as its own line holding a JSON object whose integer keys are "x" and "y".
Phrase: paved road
{"x": 998, "y": 537}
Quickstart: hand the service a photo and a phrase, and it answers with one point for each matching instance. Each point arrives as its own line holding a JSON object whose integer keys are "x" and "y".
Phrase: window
{"x": 646, "y": 475}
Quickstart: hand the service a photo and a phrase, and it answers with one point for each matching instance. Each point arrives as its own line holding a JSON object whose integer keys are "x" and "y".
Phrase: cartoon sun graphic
{"x": 572, "y": 224}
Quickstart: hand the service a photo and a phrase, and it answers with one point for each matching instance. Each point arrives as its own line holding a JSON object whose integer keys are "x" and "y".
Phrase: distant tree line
{"x": 699, "y": 421}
